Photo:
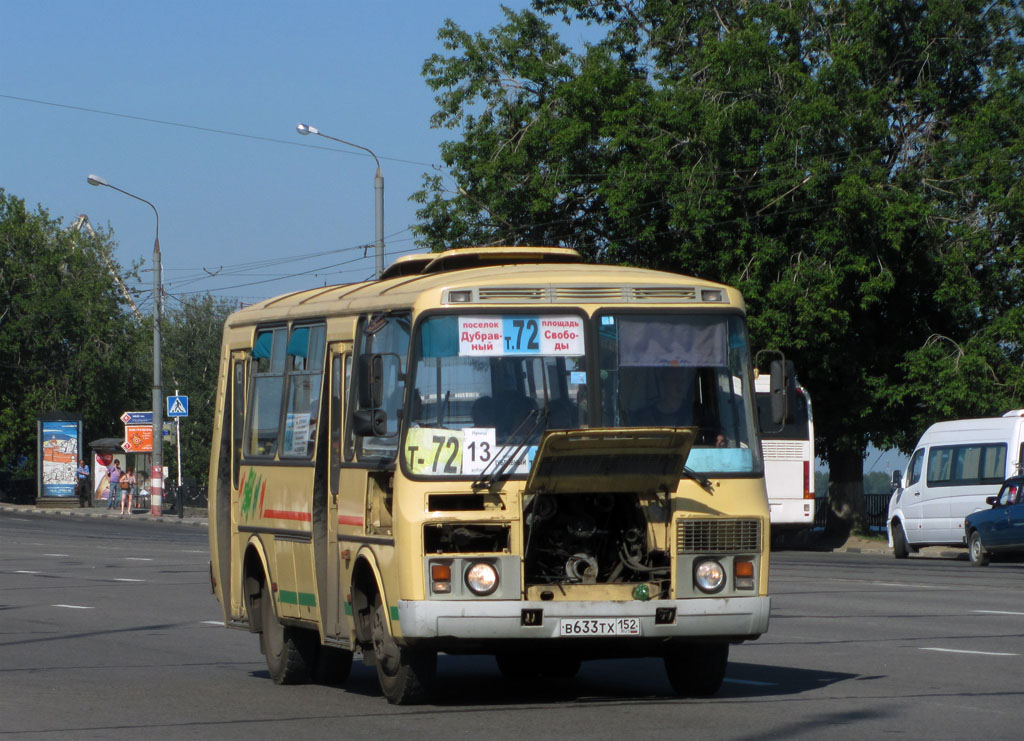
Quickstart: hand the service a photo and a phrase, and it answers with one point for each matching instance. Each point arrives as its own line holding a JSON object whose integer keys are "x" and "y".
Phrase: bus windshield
{"x": 682, "y": 370}
{"x": 482, "y": 384}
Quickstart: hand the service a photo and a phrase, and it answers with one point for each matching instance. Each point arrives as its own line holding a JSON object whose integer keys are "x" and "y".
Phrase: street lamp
{"x": 157, "y": 470}
{"x": 378, "y": 187}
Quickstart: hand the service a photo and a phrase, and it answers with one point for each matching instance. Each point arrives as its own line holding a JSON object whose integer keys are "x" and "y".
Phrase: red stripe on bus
{"x": 350, "y": 520}
{"x": 286, "y": 514}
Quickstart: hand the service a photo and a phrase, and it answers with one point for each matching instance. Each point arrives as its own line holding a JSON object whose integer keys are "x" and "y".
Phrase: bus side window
{"x": 237, "y": 417}
{"x": 263, "y": 422}
{"x": 337, "y": 436}
{"x": 305, "y": 373}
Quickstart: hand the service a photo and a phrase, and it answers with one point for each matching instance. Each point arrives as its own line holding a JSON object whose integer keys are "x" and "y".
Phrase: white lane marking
{"x": 750, "y": 681}
{"x": 28, "y": 572}
{"x": 136, "y": 558}
{"x": 963, "y": 651}
{"x": 129, "y": 580}
{"x": 202, "y": 551}
{"x": 212, "y": 622}
{"x": 912, "y": 586}
{"x": 56, "y": 555}
{"x": 74, "y": 607}
{"x": 997, "y": 612}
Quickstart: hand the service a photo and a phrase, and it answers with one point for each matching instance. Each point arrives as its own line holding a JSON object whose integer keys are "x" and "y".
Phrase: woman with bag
{"x": 127, "y": 483}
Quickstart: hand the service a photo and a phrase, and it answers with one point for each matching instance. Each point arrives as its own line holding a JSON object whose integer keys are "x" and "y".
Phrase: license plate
{"x": 580, "y": 627}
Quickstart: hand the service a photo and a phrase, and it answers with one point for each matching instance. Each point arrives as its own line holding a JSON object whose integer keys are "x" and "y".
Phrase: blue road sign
{"x": 137, "y": 418}
{"x": 177, "y": 406}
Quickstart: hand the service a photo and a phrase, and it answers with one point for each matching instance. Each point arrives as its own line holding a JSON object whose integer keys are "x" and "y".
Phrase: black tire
{"x": 290, "y": 651}
{"x": 899, "y": 540}
{"x": 407, "y": 675}
{"x": 332, "y": 666}
{"x": 697, "y": 670}
{"x": 976, "y": 550}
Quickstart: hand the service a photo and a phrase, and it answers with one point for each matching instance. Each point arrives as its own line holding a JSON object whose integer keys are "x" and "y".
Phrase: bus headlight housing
{"x": 482, "y": 578}
{"x": 709, "y": 575}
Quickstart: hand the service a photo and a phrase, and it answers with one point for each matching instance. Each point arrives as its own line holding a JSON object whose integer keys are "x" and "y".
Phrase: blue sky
{"x": 250, "y": 206}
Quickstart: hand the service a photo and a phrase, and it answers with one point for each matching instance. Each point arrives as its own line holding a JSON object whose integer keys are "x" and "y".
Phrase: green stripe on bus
{"x": 394, "y": 613}
{"x": 288, "y": 597}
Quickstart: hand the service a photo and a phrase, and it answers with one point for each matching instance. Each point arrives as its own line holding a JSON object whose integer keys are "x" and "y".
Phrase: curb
{"x": 98, "y": 513}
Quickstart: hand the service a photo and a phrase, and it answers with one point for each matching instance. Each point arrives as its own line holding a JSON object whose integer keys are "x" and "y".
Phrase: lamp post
{"x": 378, "y": 187}
{"x": 157, "y": 470}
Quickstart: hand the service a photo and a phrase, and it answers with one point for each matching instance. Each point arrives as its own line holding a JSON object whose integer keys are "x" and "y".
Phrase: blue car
{"x": 999, "y": 529}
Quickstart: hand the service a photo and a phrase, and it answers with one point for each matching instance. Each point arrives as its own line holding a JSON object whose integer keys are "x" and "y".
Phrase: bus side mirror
{"x": 370, "y": 422}
{"x": 777, "y": 392}
{"x": 371, "y": 381}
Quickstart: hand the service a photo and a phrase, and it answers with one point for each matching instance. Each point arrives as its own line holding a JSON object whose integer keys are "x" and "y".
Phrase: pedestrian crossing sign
{"x": 177, "y": 406}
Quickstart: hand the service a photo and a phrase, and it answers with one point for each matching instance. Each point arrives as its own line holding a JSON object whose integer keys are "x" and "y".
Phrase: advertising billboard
{"x": 60, "y": 444}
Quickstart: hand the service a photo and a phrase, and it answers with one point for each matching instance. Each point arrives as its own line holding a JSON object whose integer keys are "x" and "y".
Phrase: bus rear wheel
{"x": 407, "y": 675}
{"x": 697, "y": 670}
{"x": 290, "y": 651}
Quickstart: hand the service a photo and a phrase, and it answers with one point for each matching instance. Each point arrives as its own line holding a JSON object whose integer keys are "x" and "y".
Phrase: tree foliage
{"x": 66, "y": 342}
{"x": 854, "y": 167}
{"x": 191, "y": 343}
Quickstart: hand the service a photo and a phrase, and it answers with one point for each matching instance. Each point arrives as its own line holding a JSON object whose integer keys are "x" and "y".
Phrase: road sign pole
{"x": 177, "y": 440}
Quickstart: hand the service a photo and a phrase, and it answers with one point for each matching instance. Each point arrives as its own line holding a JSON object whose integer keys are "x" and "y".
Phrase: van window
{"x": 914, "y": 469}
{"x": 959, "y": 465}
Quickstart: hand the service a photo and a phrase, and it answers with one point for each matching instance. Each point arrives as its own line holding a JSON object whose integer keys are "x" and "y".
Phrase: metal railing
{"x": 193, "y": 496}
{"x": 876, "y": 506}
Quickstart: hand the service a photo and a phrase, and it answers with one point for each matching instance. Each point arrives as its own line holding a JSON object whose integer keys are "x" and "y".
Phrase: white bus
{"x": 788, "y": 456}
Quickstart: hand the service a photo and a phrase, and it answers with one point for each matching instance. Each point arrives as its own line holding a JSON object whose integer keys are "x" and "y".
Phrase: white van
{"x": 954, "y": 467}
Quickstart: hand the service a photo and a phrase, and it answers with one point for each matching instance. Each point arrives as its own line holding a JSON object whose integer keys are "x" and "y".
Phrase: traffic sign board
{"x": 137, "y": 418}
{"x": 177, "y": 406}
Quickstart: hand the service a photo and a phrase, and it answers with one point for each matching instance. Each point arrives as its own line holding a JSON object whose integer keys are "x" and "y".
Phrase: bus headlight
{"x": 709, "y": 576}
{"x": 482, "y": 578}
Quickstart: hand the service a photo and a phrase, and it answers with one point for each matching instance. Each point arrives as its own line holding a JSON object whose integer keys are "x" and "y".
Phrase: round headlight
{"x": 482, "y": 578}
{"x": 709, "y": 576}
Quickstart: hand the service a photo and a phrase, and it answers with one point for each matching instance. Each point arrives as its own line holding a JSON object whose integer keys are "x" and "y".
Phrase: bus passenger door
{"x": 345, "y": 507}
{"x": 230, "y": 519}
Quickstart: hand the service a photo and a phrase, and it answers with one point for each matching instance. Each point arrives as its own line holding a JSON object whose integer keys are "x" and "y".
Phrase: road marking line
{"x": 56, "y": 555}
{"x": 136, "y": 558}
{"x": 964, "y": 651}
{"x": 750, "y": 681}
{"x": 74, "y": 607}
{"x": 129, "y": 580}
{"x": 997, "y": 612}
{"x": 912, "y": 586}
{"x": 212, "y": 622}
{"x": 27, "y": 572}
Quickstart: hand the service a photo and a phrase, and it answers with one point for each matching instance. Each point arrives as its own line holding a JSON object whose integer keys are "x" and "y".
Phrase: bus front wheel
{"x": 407, "y": 675}
{"x": 289, "y": 651}
{"x": 697, "y": 670}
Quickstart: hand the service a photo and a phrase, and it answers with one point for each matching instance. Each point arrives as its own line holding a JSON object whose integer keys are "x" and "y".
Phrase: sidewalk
{"x": 193, "y": 517}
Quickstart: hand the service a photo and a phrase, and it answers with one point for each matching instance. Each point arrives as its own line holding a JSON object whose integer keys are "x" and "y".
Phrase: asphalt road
{"x": 108, "y": 630}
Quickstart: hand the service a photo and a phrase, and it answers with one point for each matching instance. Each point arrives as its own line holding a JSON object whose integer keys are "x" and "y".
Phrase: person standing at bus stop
{"x": 127, "y": 489}
{"x": 82, "y": 483}
{"x": 114, "y": 482}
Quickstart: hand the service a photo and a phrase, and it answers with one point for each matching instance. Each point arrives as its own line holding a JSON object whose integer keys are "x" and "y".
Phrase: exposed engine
{"x": 588, "y": 539}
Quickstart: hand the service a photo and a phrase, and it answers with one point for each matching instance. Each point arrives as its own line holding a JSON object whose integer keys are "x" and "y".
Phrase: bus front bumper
{"x": 725, "y": 617}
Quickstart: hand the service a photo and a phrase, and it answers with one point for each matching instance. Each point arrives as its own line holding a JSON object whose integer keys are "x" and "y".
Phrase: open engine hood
{"x": 645, "y": 460}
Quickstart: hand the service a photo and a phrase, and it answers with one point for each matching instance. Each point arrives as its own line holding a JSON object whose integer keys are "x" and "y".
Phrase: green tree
{"x": 191, "y": 348}
{"x": 66, "y": 341}
{"x": 853, "y": 167}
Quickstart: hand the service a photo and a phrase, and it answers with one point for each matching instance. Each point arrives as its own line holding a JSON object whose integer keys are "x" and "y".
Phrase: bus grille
{"x": 718, "y": 536}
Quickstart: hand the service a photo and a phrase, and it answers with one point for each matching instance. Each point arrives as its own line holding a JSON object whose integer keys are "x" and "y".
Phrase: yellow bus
{"x": 497, "y": 451}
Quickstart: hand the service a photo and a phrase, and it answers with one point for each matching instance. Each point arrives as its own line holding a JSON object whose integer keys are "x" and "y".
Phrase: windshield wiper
{"x": 705, "y": 483}
{"x": 502, "y": 463}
